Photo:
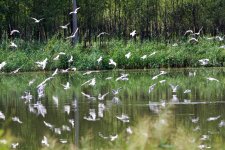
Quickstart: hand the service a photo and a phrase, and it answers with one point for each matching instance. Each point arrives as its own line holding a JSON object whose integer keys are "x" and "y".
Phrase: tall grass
{"x": 183, "y": 55}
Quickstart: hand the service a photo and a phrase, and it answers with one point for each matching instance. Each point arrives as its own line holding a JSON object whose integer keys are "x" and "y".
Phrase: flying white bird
{"x": 116, "y": 91}
{"x": 151, "y": 88}
{"x": 42, "y": 64}
{"x": 174, "y": 87}
{"x": 73, "y": 35}
{"x": 64, "y": 26}
{"x": 153, "y": 53}
{"x": 193, "y": 40}
{"x": 71, "y": 59}
{"x": 219, "y": 38}
{"x": 37, "y": 20}
{"x": 123, "y": 118}
{"x": 55, "y": 72}
{"x": 14, "y": 31}
{"x": 103, "y": 33}
{"x": 14, "y": 145}
{"x": 144, "y": 57}
{"x": 75, "y": 11}
{"x": 133, "y": 33}
{"x": 102, "y": 97}
{"x": 187, "y": 91}
{"x": 88, "y": 96}
{"x": 2, "y": 116}
{"x": 123, "y": 77}
{"x": 213, "y": 118}
{"x": 15, "y": 71}
{"x": 128, "y": 55}
{"x": 45, "y": 141}
{"x": 195, "y": 120}
{"x": 31, "y": 82}
{"x": 16, "y": 119}
{"x": 129, "y": 130}
{"x": 66, "y": 86}
{"x": 204, "y": 62}
{"x": 198, "y": 33}
{"x": 55, "y": 100}
{"x": 48, "y": 125}
{"x": 56, "y": 58}
{"x": 111, "y": 62}
{"x": 13, "y": 45}
{"x": 188, "y": 31}
{"x": 212, "y": 79}
{"x": 99, "y": 59}
{"x": 2, "y": 65}
{"x": 67, "y": 109}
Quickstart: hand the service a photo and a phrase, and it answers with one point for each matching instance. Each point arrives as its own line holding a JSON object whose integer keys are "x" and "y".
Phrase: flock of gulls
{"x": 39, "y": 109}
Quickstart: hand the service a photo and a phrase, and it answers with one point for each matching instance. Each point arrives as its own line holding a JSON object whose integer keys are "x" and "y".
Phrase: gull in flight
{"x": 42, "y": 64}
{"x": 102, "y": 97}
{"x": 71, "y": 59}
{"x": 92, "y": 116}
{"x": 144, "y": 57}
{"x": 133, "y": 33}
{"x": 66, "y": 86}
{"x": 128, "y": 55}
{"x": 48, "y": 125}
{"x": 37, "y": 20}
{"x": 151, "y": 88}
{"x": 55, "y": 72}
{"x": 194, "y": 40}
{"x": 16, "y": 119}
{"x": 45, "y": 141}
{"x": 123, "y": 118}
{"x": 14, "y": 145}
{"x": 198, "y": 33}
{"x": 212, "y": 79}
{"x": 63, "y": 141}
{"x": 27, "y": 97}
{"x": 40, "y": 108}
{"x": 14, "y": 31}
{"x": 219, "y": 38}
{"x": 174, "y": 87}
{"x": 55, "y": 100}
{"x": 64, "y": 26}
{"x": 56, "y": 58}
{"x": 71, "y": 121}
{"x": 153, "y": 53}
{"x": 57, "y": 131}
{"x": 222, "y": 123}
{"x": 129, "y": 130}
{"x": 111, "y": 62}
{"x": 162, "y": 81}
{"x": 13, "y": 45}
{"x": 67, "y": 109}
{"x": 187, "y": 91}
{"x": 73, "y": 35}
{"x": 66, "y": 128}
{"x": 103, "y": 33}
{"x": 75, "y": 11}
{"x": 88, "y": 96}
{"x": 188, "y": 31}
{"x": 161, "y": 73}
{"x": 31, "y": 82}
{"x": 213, "y": 118}
{"x": 204, "y": 62}
{"x": 122, "y": 77}
{"x": 2, "y": 116}
{"x": 2, "y": 65}
{"x": 15, "y": 71}
{"x": 89, "y": 72}
{"x": 99, "y": 59}
{"x": 195, "y": 120}
{"x": 116, "y": 91}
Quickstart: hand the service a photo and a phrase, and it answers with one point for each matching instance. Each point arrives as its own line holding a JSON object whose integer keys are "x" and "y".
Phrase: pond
{"x": 99, "y": 118}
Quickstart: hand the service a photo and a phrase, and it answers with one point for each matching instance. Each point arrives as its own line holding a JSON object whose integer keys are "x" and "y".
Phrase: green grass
{"x": 167, "y": 56}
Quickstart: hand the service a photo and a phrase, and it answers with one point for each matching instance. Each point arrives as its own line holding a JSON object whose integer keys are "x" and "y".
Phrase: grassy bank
{"x": 167, "y": 55}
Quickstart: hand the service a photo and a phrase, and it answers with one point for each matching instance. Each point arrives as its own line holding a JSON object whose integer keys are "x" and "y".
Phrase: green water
{"x": 207, "y": 99}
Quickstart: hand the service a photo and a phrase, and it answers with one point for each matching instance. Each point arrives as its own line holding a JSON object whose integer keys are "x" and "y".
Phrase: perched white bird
{"x": 71, "y": 59}
{"x": 14, "y": 31}
{"x": 37, "y": 20}
{"x": 16, "y": 119}
{"x": 128, "y": 55}
{"x": 2, "y": 65}
{"x": 75, "y": 11}
{"x": 174, "y": 87}
{"x": 64, "y": 26}
{"x": 99, "y": 59}
{"x": 13, "y": 45}
{"x": 44, "y": 141}
{"x": 111, "y": 62}
{"x": 144, "y": 57}
{"x": 204, "y": 62}
{"x": 102, "y": 97}
{"x": 73, "y": 35}
{"x": 212, "y": 79}
{"x": 42, "y": 64}
{"x": 66, "y": 86}
{"x": 103, "y": 33}
{"x": 133, "y": 33}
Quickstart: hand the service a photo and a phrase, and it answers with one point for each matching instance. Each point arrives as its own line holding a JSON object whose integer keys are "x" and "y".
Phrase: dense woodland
{"x": 153, "y": 19}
